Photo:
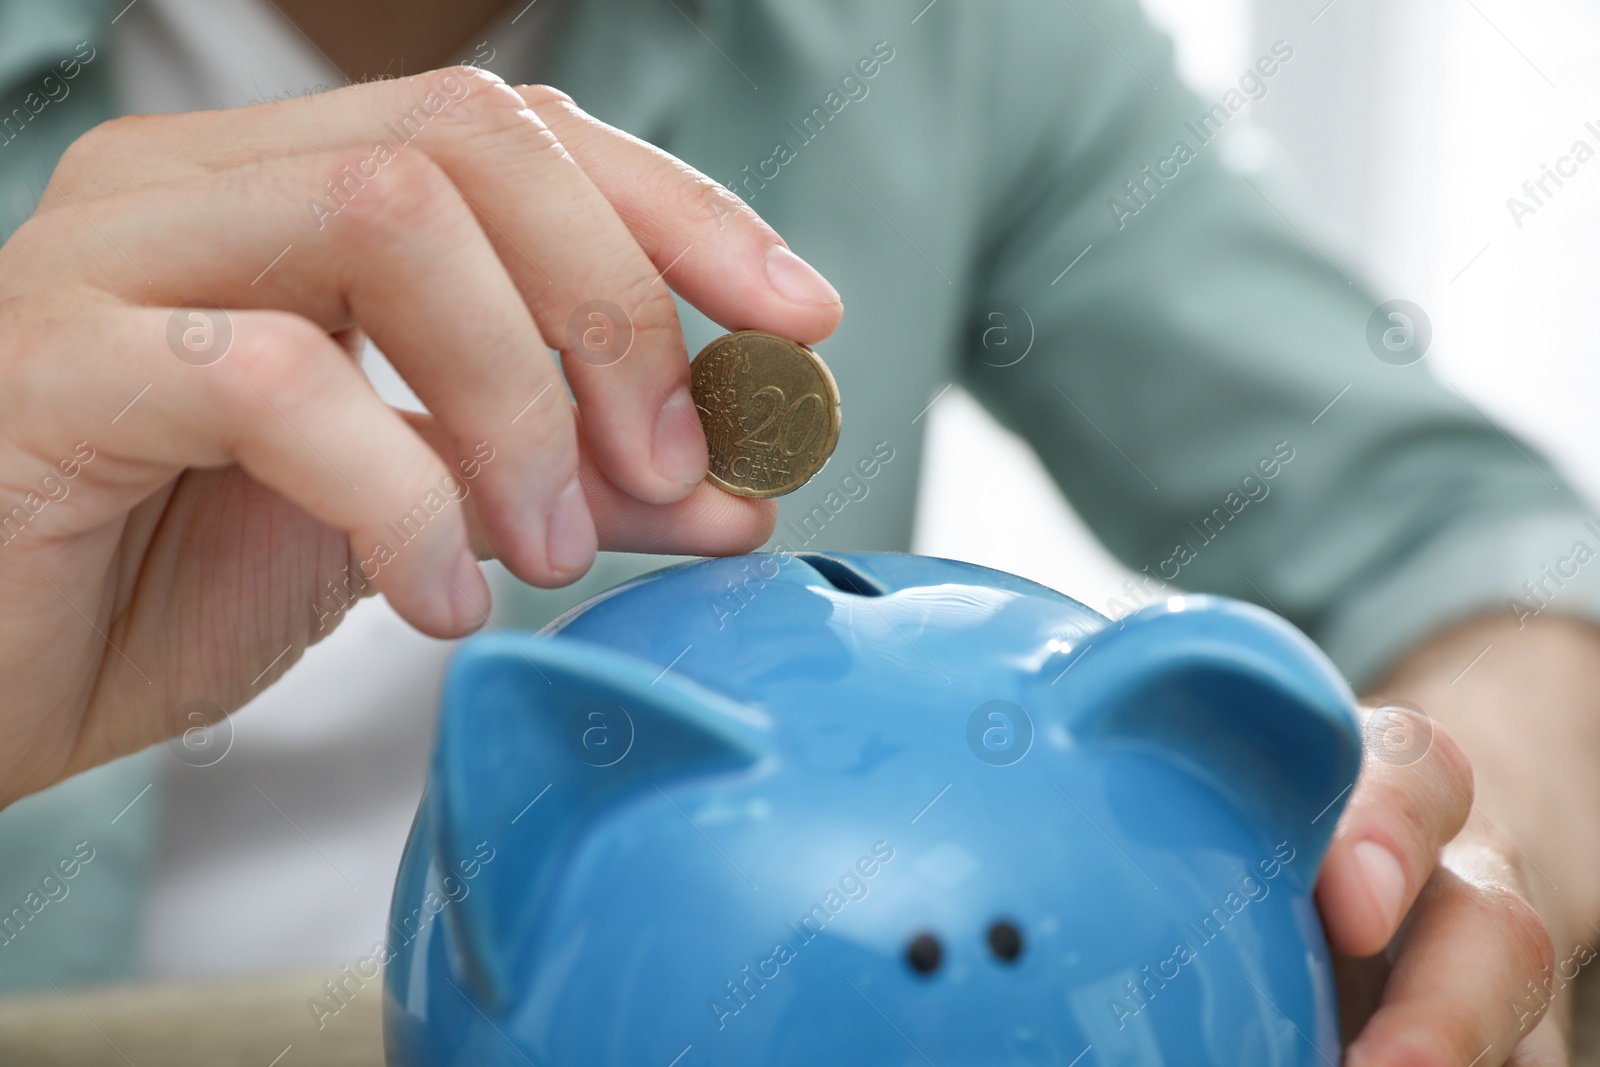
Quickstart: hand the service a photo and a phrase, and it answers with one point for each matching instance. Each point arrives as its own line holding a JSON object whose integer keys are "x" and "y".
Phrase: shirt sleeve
{"x": 55, "y": 84}
{"x": 1202, "y": 372}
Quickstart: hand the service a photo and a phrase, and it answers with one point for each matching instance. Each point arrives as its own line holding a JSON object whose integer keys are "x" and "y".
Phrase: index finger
{"x": 1409, "y": 802}
{"x": 724, "y": 258}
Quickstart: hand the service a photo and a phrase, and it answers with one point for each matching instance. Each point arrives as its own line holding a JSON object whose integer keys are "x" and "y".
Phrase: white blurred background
{"x": 1411, "y": 120}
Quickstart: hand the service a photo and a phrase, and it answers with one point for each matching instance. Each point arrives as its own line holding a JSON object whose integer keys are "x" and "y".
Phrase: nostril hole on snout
{"x": 1005, "y": 941}
{"x": 924, "y": 953}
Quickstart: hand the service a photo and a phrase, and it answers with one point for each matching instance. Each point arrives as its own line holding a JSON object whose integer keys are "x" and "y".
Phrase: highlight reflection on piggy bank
{"x": 875, "y": 809}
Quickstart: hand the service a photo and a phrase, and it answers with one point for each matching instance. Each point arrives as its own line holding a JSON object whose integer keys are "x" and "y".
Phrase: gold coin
{"x": 770, "y": 409}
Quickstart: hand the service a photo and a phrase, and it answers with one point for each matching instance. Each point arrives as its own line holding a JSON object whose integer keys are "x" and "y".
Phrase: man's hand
{"x": 1487, "y": 908}
{"x": 190, "y": 498}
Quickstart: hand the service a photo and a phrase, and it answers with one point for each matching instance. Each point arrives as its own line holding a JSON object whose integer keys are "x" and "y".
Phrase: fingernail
{"x": 678, "y": 443}
{"x": 1384, "y": 877}
{"x": 797, "y": 279}
{"x": 570, "y": 540}
{"x": 467, "y": 593}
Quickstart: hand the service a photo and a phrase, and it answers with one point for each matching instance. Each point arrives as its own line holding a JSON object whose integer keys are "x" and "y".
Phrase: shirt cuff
{"x": 1527, "y": 566}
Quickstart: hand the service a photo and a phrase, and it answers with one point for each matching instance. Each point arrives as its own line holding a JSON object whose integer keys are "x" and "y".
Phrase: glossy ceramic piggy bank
{"x": 826, "y": 811}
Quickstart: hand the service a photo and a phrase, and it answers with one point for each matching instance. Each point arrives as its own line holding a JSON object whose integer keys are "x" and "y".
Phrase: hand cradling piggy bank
{"x": 802, "y": 810}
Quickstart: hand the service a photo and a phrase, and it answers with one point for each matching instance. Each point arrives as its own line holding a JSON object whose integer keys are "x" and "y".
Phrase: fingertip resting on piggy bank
{"x": 874, "y": 809}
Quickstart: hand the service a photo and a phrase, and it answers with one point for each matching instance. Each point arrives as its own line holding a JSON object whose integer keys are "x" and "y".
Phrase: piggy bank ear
{"x": 1238, "y": 694}
{"x": 538, "y": 737}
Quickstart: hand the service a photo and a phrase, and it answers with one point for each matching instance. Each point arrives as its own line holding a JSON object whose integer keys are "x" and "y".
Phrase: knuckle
{"x": 661, "y": 334}
{"x": 539, "y": 95}
{"x": 384, "y": 202}
{"x": 488, "y": 111}
{"x": 543, "y": 427}
{"x": 1481, "y": 888}
{"x": 652, "y": 311}
{"x": 35, "y": 243}
{"x": 693, "y": 195}
{"x": 477, "y": 101}
{"x": 551, "y": 434}
{"x": 99, "y": 147}
{"x": 272, "y": 358}
{"x": 712, "y": 196}
{"x": 650, "y": 317}
{"x": 447, "y": 79}
{"x": 1526, "y": 933}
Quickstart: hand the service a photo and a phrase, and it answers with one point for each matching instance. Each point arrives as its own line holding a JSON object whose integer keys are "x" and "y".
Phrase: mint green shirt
{"x": 1020, "y": 196}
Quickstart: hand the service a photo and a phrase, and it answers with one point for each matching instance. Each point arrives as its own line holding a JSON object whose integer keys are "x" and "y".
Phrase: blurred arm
{"x": 1200, "y": 380}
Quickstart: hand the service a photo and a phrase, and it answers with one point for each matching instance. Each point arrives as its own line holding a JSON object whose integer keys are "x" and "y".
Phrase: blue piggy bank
{"x": 876, "y": 809}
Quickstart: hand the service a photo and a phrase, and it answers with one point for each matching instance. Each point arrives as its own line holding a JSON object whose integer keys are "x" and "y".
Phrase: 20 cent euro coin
{"x": 770, "y": 409}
